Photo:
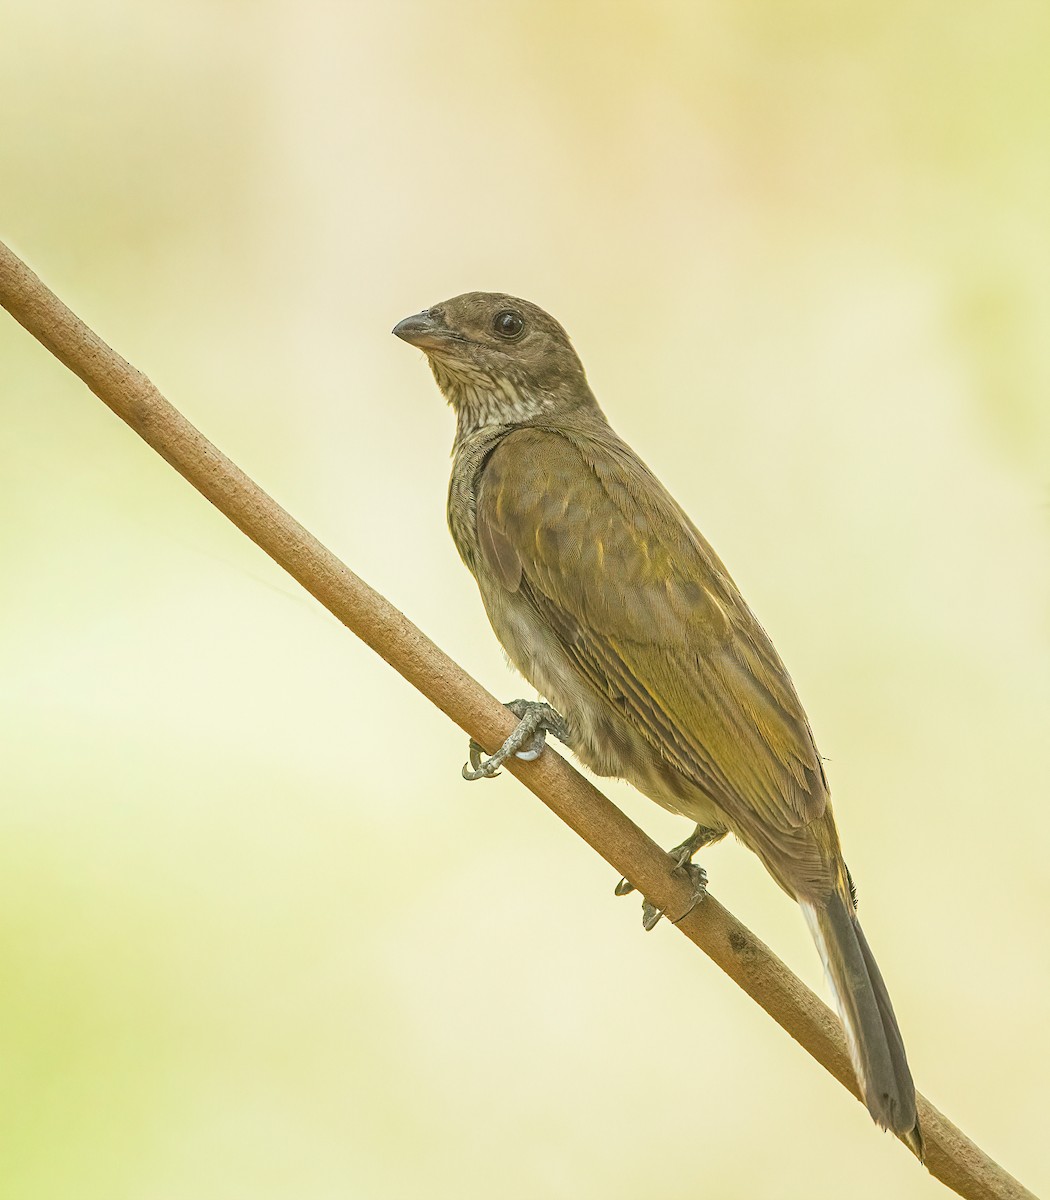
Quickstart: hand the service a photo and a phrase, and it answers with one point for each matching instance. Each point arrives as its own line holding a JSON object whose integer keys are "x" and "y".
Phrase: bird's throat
{"x": 482, "y": 401}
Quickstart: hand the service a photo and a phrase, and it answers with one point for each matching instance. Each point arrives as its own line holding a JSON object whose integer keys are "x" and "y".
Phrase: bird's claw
{"x": 683, "y": 867}
{"x": 698, "y": 878}
{"x": 480, "y": 768}
{"x": 651, "y": 914}
{"x": 535, "y": 721}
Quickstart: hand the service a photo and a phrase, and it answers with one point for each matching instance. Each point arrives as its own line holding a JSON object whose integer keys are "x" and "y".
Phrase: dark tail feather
{"x": 875, "y": 1044}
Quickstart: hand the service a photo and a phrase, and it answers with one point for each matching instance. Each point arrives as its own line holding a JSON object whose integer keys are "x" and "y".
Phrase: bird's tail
{"x": 875, "y": 1044}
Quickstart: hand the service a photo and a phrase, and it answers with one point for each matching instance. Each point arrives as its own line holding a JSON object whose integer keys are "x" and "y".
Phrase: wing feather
{"x": 650, "y": 618}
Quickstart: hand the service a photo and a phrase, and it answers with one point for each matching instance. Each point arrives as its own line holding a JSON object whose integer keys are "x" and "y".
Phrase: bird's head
{"x": 498, "y": 360}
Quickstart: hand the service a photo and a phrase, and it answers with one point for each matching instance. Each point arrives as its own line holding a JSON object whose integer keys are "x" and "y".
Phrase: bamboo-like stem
{"x": 950, "y": 1156}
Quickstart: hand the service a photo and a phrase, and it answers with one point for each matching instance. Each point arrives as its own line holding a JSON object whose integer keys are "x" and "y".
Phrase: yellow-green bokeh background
{"x": 256, "y": 938}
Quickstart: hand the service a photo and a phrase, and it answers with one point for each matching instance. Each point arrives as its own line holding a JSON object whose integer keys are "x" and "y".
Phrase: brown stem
{"x": 950, "y": 1155}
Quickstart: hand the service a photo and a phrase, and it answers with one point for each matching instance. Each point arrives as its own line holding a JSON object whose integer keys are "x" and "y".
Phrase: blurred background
{"x": 257, "y": 938}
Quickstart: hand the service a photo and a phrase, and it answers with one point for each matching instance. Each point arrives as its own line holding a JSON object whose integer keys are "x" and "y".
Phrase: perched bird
{"x": 611, "y": 603}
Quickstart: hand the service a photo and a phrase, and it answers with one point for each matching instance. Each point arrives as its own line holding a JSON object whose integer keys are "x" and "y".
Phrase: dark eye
{"x": 509, "y": 324}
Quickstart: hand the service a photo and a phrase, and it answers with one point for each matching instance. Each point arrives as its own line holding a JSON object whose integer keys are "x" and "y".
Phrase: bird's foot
{"x": 651, "y": 914}
{"x": 683, "y": 867}
{"x": 535, "y": 721}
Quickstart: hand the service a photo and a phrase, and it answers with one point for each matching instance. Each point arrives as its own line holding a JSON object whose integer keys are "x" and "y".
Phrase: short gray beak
{"x": 423, "y": 330}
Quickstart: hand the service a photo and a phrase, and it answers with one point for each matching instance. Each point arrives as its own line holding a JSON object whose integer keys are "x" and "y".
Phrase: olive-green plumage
{"x": 612, "y": 604}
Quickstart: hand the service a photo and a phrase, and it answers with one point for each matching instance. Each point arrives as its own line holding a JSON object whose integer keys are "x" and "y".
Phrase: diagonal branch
{"x": 950, "y": 1155}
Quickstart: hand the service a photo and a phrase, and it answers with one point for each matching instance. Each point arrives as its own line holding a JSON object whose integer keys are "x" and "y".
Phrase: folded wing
{"x": 651, "y": 619}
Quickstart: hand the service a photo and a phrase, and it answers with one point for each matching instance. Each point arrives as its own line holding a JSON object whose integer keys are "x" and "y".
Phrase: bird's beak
{"x": 424, "y": 330}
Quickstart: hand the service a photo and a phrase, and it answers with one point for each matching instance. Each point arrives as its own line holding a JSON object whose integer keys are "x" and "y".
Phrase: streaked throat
{"x": 481, "y": 400}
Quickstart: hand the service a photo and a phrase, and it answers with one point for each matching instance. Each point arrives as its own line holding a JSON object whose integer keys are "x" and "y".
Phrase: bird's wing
{"x": 651, "y": 618}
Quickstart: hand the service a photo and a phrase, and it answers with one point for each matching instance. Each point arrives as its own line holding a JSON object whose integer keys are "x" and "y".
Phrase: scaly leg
{"x": 536, "y": 720}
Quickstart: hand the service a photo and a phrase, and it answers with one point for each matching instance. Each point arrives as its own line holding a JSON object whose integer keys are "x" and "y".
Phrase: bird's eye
{"x": 509, "y": 324}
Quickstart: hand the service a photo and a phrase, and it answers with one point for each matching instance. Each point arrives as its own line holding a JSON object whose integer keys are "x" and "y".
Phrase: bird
{"x": 616, "y": 609}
